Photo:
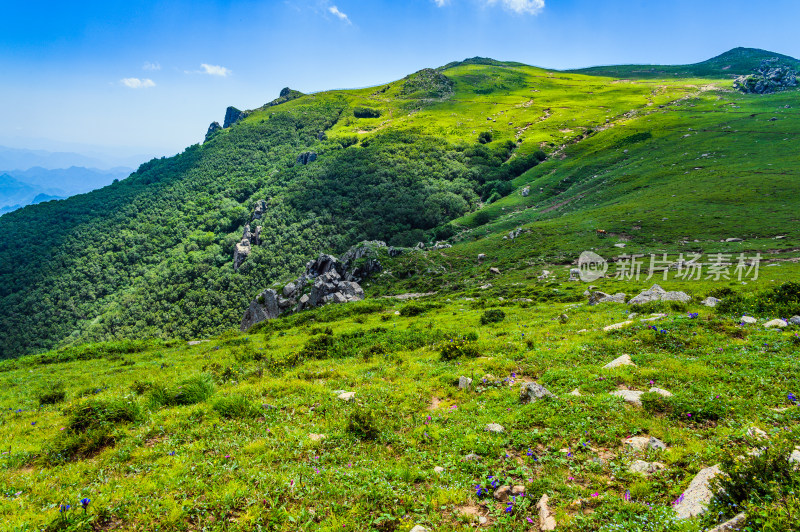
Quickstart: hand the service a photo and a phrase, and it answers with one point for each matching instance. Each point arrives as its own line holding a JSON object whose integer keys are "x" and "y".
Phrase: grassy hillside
{"x": 246, "y": 432}
{"x": 152, "y": 255}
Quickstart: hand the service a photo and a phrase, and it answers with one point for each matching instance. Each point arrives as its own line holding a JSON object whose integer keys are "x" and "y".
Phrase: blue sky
{"x": 148, "y": 77}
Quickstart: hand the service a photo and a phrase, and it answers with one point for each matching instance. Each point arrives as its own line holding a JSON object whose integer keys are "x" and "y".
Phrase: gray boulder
{"x": 240, "y": 253}
{"x": 530, "y": 392}
{"x": 233, "y": 115}
{"x": 710, "y": 301}
{"x": 596, "y": 298}
{"x": 695, "y": 499}
{"x": 363, "y": 260}
{"x": 656, "y": 293}
{"x": 731, "y": 525}
{"x": 264, "y": 307}
{"x": 794, "y": 320}
{"x": 464, "y": 383}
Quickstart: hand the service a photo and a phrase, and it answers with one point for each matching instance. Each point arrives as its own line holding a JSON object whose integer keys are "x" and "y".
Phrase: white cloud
{"x": 215, "y": 70}
{"x": 151, "y": 66}
{"x": 531, "y": 7}
{"x": 136, "y": 83}
{"x": 441, "y": 3}
{"x": 335, "y": 11}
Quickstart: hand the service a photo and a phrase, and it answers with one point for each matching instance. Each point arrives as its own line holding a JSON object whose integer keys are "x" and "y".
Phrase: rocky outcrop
{"x": 656, "y": 293}
{"x": 695, "y": 499}
{"x": 770, "y": 77}
{"x": 324, "y": 280}
{"x": 306, "y": 157}
{"x": 233, "y": 115}
{"x": 601, "y": 297}
{"x": 250, "y": 237}
{"x": 212, "y": 129}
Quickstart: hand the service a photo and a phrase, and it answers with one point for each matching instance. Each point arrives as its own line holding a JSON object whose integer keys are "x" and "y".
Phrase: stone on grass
{"x": 749, "y": 320}
{"x": 546, "y": 519}
{"x": 775, "y": 323}
{"x": 517, "y": 490}
{"x": 502, "y": 493}
{"x": 347, "y": 396}
{"x": 624, "y": 360}
{"x": 794, "y": 320}
{"x": 576, "y": 392}
{"x": 795, "y": 456}
{"x": 316, "y": 437}
{"x": 464, "y": 383}
{"x": 641, "y": 443}
{"x": 495, "y": 427}
{"x": 655, "y": 443}
{"x": 710, "y": 302}
{"x": 438, "y": 469}
{"x": 420, "y": 528}
{"x": 471, "y": 457}
{"x": 755, "y": 432}
{"x": 661, "y": 391}
{"x": 531, "y": 392}
{"x": 656, "y": 293}
{"x": 732, "y": 525}
{"x": 695, "y": 499}
{"x": 616, "y": 326}
{"x": 495, "y": 271}
{"x": 646, "y": 468}
{"x": 629, "y": 396}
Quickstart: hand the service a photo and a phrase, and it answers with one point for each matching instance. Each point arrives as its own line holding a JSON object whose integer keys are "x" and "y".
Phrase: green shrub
{"x": 365, "y": 112}
{"x": 458, "y": 347}
{"x": 318, "y": 347}
{"x": 75, "y": 445}
{"x": 485, "y": 137}
{"x": 363, "y": 424}
{"x": 53, "y": 394}
{"x": 493, "y": 315}
{"x": 236, "y": 407}
{"x": 768, "y": 477}
{"x": 482, "y": 218}
{"x": 95, "y": 413}
{"x": 187, "y": 392}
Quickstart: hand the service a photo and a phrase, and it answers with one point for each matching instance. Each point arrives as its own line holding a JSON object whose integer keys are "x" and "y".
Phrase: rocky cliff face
{"x": 233, "y": 115}
{"x": 212, "y": 129}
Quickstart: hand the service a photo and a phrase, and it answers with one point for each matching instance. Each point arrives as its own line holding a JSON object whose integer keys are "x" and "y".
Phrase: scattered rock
{"x": 464, "y": 383}
{"x": 481, "y": 256}
{"x": 656, "y": 444}
{"x": 795, "y": 457}
{"x": 734, "y": 240}
{"x": 775, "y": 323}
{"x": 495, "y": 271}
{"x": 316, "y": 437}
{"x": 638, "y": 443}
{"x": 502, "y": 493}
{"x": 619, "y": 245}
{"x": 438, "y": 469}
{"x": 546, "y": 519}
{"x": 347, "y": 396}
{"x": 769, "y": 77}
{"x": 472, "y": 457}
{"x": 575, "y": 392}
{"x": 420, "y": 528}
{"x": 661, "y": 391}
{"x": 544, "y": 275}
{"x": 656, "y": 293}
{"x": 749, "y": 320}
{"x": 518, "y": 490}
{"x": 574, "y": 274}
{"x": 530, "y": 392}
{"x": 624, "y": 360}
{"x": 596, "y": 298}
{"x": 629, "y": 396}
{"x": 197, "y": 342}
{"x": 732, "y": 525}
{"x": 526, "y": 192}
{"x": 495, "y": 427}
{"x": 646, "y": 468}
{"x": 755, "y": 432}
{"x": 710, "y": 302}
{"x": 794, "y": 320}
{"x": 616, "y": 326}
{"x": 694, "y": 500}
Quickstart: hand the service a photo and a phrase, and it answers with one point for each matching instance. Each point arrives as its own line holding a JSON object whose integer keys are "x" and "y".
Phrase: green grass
{"x": 242, "y": 458}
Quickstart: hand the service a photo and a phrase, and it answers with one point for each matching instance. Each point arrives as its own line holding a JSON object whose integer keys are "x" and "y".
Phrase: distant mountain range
{"x": 36, "y": 185}
{"x": 23, "y": 159}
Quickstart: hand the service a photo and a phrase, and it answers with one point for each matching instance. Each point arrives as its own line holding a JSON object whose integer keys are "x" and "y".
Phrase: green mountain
{"x": 736, "y": 62}
{"x": 477, "y": 385}
{"x": 152, "y": 255}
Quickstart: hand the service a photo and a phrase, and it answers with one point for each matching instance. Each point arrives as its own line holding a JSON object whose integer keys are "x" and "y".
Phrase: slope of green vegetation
{"x": 728, "y": 65}
{"x": 247, "y": 432}
{"x": 151, "y": 256}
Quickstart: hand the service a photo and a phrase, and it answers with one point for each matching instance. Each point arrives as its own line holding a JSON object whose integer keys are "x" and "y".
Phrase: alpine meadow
{"x": 484, "y": 296}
